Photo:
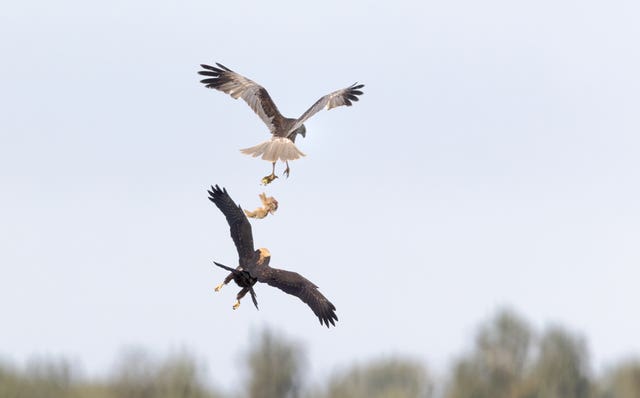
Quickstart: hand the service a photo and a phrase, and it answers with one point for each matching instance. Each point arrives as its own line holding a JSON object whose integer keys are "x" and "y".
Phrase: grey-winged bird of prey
{"x": 284, "y": 130}
{"x": 254, "y": 264}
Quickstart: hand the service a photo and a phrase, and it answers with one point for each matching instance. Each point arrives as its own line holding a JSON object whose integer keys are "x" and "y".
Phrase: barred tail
{"x": 277, "y": 148}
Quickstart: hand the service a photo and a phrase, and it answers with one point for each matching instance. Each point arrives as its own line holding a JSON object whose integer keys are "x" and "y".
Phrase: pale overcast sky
{"x": 492, "y": 161}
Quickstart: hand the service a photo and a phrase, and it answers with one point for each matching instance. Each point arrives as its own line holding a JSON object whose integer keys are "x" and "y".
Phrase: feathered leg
{"x": 228, "y": 279}
{"x": 240, "y": 295}
{"x": 242, "y": 292}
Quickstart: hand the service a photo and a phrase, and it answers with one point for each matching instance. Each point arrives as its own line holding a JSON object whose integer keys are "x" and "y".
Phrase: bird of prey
{"x": 284, "y": 130}
{"x": 254, "y": 264}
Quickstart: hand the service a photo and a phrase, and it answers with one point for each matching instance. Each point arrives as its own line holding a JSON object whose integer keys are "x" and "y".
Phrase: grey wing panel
{"x": 237, "y": 86}
{"x": 337, "y": 98}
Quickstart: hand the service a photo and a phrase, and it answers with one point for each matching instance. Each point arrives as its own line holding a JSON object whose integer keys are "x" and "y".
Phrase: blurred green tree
{"x": 275, "y": 367}
{"x": 137, "y": 375}
{"x": 180, "y": 376}
{"x": 496, "y": 366}
{"x": 561, "y": 369}
{"x": 503, "y": 363}
{"x": 10, "y": 382}
{"x": 42, "y": 378}
{"x": 133, "y": 375}
{"x": 388, "y": 378}
{"x": 622, "y": 382}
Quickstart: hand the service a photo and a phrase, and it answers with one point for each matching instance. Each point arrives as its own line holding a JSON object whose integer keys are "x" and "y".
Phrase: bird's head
{"x": 263, "y": 256}
{"x": 302, "y": 130}
{"x": 272, "y": 205}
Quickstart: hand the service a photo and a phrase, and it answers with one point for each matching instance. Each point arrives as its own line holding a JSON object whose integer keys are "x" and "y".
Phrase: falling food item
{"x": 266, "y": 180}
{"x": 269, "y": 205}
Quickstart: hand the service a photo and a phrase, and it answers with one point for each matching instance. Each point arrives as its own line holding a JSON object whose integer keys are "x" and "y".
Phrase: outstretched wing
{"x": 238, "y": 223}
{"x": 336, "y": 98}
{"x": 297, "y": 285}
{"x": 238, "y": 86}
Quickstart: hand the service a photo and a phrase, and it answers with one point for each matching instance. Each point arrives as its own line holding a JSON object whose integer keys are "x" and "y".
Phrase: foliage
{"x": 136, "y": 375}
{"x": 495, "y": 369}
{"x": 622, "y": 382}
{"x": 275, "y": 367}
{"x": 507, "y": 360}
{"x": 388, "y": 378}
{"x": 41, "y": 378}
{"x": 561, "y": 370}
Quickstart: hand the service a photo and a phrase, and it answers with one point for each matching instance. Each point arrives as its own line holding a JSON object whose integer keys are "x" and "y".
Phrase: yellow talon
{"x": 266, "y": 180}
{"x": 219, "y": 287}
{"x": 236, "y": 305}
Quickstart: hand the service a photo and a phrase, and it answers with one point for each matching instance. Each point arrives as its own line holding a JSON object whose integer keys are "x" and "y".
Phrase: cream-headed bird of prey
{"x": 253, "y": 265}
{"x": 284, "y": 130}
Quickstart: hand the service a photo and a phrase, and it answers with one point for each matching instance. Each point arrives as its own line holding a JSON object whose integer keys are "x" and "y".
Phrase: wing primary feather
{"x": 239, "y": 225}
{"x": 207, "y": 73}
{"x": 238, "y": 86}
{"x": 205, "y": 66}
{"x": 223, "y": 67}
{"x": 299, "y": 286}
{"x": 337, "y": 98}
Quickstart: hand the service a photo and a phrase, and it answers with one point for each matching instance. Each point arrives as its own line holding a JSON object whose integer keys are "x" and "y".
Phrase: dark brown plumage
{"x": 254, "y": 264}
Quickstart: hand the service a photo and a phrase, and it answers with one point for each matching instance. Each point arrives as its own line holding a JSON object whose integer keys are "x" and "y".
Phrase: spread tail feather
{"x": 277, "y": 148}
{"x": 232, "y": 270}
{"x": 254, "y": 297}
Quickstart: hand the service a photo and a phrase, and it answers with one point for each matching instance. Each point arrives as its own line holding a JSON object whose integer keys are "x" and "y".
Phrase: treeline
{"x": 508, "y": 359}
